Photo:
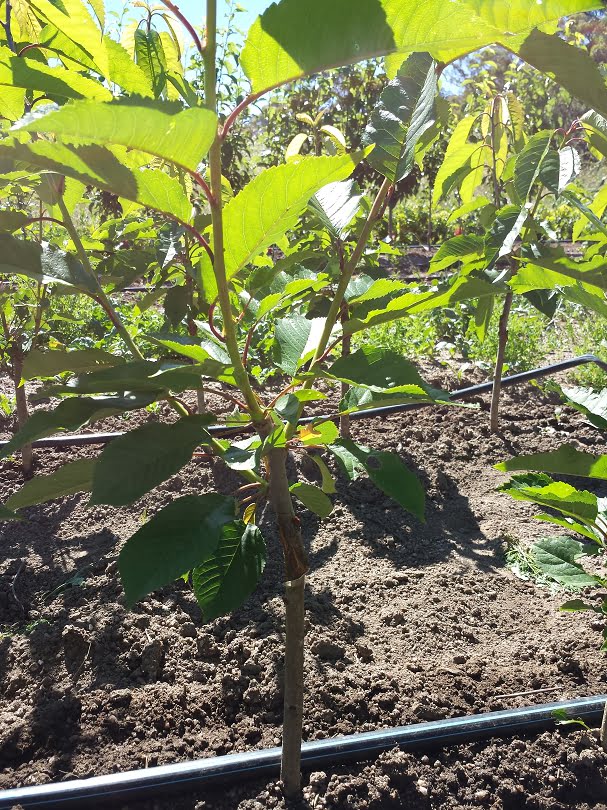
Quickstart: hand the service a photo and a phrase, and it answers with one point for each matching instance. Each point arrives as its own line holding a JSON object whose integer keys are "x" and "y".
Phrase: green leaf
{"x": 43, "y": 364}
{"x": 44, "y": 263}
{"x": 328, "y": 483}
{"x": 586, "y": 210}
{"x": 360, "y": 398}
{"x": 135, "y": 463}
{"x": 529, "y": 163}
{"x": 11, "y": 220}
{"x": 386, "y": 471}
{"x": 379, "y": 368}
{"x": 138, "y": 375}
{"x": 21, "y": 71}
{"x": 107, "y": 169}
{"x": 230, "y": 575}
{"x": 468, "y": 208}
{"x": 336, "y": 205}
{"x": 318, "y": 433}
{"x": 313, "y": 499}
{"x": 564, "y": 461}
{"x": 593, "y": 404}
{"x": 271, "y": 204}
{"x": 6, "y": 514}
{"x": 551, "y": 267}
{"x": 290, "y": 339}
{"x": 293, "y": 39}
{"x": 411, "y": 303}
{"x": 288, "y": 405}
{"x": 457, "y": 155}
{"x": 182, "y": 137}
{"x": 176, "y": 540}
{"x": 574, "y": 605}
{"x": 556, "y": 557}
{"x": 456, "y": 249}
{"x": 176, "y": 303}
{"x": 363, "y": 288}
{"x": 151, "y": 58}
{"x": 72, "y": 18}
{"x": 405, "y": 110}
{"x": 571, "y": 67}
{"x": 595, "y": 127}
{"x": 562, "y": 497}
{"x": 75, "y": 476}
{"x": 72, "y": 415}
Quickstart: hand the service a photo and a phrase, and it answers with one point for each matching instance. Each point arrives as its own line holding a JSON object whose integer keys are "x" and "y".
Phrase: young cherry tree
{"x": 491, "y": 153}
{"x": 161, "y": 154}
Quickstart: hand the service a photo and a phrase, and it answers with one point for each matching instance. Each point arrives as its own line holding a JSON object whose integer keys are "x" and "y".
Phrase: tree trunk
{"x": 201, "y": 404}
{"x": 27, "y": 455}
{"x": 499, "y": 363}
{"x": 344, "y": 421}
{"x": 292, "y": 722}
{"x": 296, "y": 566}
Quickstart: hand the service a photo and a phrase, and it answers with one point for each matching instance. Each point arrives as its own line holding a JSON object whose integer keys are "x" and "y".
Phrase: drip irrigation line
{"x": 85, "y": 439}
{"x": 149, "y": 783}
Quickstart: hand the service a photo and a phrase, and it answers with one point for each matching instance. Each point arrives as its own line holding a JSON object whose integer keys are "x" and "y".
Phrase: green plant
{"x": 574, "y": 564}
{"x": 513, "y": 253}
{"x": 147, "y": 150}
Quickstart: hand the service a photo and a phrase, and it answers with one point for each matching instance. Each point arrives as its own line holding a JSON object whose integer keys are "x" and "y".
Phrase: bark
{"x": 27, "y": 455}
{"x": 296, "y": 566}
{"x": 344, "y": 421}
{"x": 499, "y": 363}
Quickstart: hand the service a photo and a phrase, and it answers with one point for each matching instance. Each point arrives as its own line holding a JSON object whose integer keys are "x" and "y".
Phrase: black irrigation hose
{"x": 70, "y": 440}
{"x": 150, "y": 783}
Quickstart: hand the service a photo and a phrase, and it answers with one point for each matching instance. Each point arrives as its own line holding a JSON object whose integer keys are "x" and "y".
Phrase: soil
{"x": 406, "y": 623}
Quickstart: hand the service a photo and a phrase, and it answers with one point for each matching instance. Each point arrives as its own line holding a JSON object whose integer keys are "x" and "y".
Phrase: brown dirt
{"x": 406, "y": 622}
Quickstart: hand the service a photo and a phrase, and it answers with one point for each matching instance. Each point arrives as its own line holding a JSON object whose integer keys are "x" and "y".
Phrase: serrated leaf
{"x": 456, "y": 249}
{"x": 182, "y": 137}
{"x": 377, "y": 367}
{"x": 292, "y": 39}
{"x": 143, "y": 458}
{"x": 529, "y": 163}
{"x": 43, "y": 364}
{"x": 567, "y": 460}
{"x": 138, "y": 375}
{"x": 107, "y": 169}
{"x": 411, "y": 303}
{"x": 387, "y": 472}
{"x": 593, "y": 404}
{"x": 44, "y": 263}
{"x": 72, "y": 415}
{"x": 228, "y": 577}
{"x": 405, "y": 110}
{"x": 29, "y": 74}
{"x": 73, "y": 19}
{"x": 313, "y": 499}
{"x": 290, "y": 339}
{"x": 75, "y": 476}
{"x": 558, "y": 495}
{"x": 457, "y": 155}
{"x": 150, "y": 57}
{"x": 177, "y": 539}
{"x": 557, "y": 556}
{"x": 336, "y": 205}
{"x": 271, "y": 204}
{"x": 571, "y": 67}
